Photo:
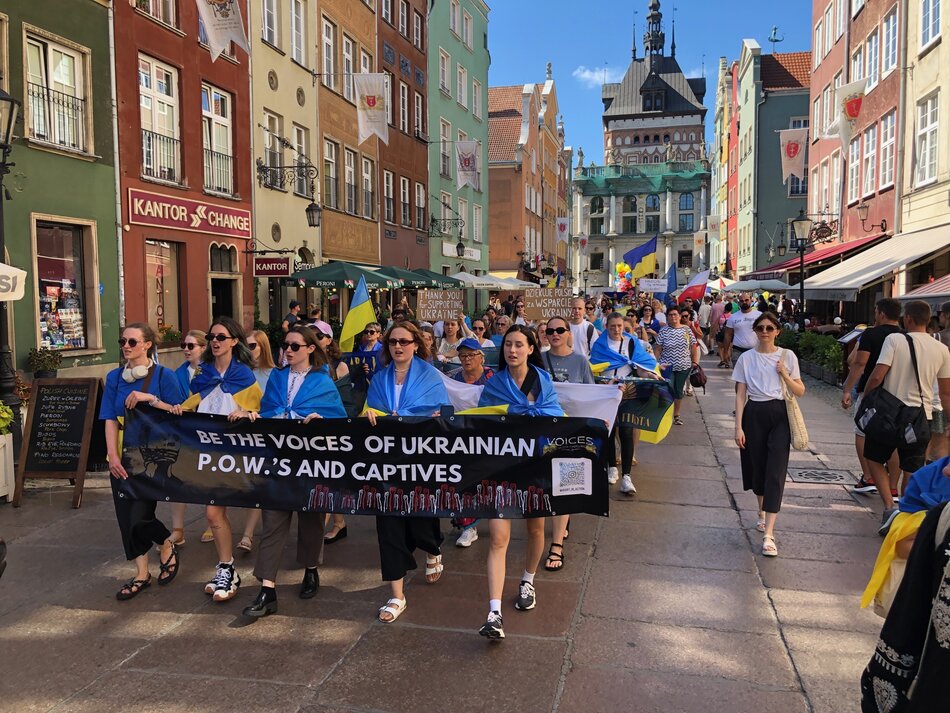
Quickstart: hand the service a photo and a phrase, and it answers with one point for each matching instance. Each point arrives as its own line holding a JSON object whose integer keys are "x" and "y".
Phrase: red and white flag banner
{"x": 793, "y": 143}
{"x": 563, "y": 234}
{"x": 848, "y": 102}
{"x": 223, "y": 24}
{"x": 371, "y": 97}
{"x": 466, "y": 164}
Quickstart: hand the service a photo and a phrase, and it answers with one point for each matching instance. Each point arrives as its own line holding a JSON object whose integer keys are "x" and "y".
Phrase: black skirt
{"x": 765, "y": 456}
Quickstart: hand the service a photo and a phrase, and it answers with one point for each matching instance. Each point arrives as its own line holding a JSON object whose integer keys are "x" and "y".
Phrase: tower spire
{"x": 654, "y": 38}
{"x": 634, "y": 34}
{"x": 673, "y": 38}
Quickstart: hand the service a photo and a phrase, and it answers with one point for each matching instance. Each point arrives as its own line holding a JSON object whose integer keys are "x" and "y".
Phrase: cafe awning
{"x": 481, "y": 282}
{"x": 442, "y": 282}
{"x": 877, "y": 264}
{"x": 408, "y": 279}
{"x": 934, "y": 292}
{"x": 816, "y": 258}
{"x": 345, "y": 274}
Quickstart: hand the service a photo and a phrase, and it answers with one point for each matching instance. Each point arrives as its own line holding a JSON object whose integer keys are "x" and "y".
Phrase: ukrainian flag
{"x": 642, "y": 260}
{"x": 361, "y": 313}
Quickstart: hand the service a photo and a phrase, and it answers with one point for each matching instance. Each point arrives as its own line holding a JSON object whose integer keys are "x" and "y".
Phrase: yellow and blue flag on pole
{"x": 642, "y": 260}
{"x": 361, "y": 313}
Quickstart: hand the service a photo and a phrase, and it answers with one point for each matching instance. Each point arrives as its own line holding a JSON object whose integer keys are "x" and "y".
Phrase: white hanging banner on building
{"x": 223, "y": 24}
{"x": 12, "y": 282}
{"x": 793, "y": 142}
{"x": 848, "y": 101}
{"x": 466, "y": 164}
{"x": 583, "y": 242}
{"x": 713, "y": 224}
{"x": 563, "y": 234}
{"x": 371, "y": 98}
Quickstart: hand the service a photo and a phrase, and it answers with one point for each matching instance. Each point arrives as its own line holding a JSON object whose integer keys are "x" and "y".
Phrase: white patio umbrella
{"x": 481, "y": 282}
{"x": 756, "y": 285}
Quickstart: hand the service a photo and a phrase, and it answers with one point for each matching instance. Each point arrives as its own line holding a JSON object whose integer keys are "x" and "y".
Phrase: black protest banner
{"x": 464, "y": 466}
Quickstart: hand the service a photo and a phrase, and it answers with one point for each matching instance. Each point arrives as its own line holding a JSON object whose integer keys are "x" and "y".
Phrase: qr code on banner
{"x": 571, "y": 476}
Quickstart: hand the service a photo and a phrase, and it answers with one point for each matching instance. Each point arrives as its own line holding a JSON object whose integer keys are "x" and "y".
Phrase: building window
{"x": 65, "y": 262}
{"x": 477, "y": 223}
{"x": 158, "y": 104}
{"x": 387, "y": 10}
{"x": 854, "y": 169}
{"x": 686, "y": 223}
{"x": 929, "y": 21}
{"x": 223, "y": 258}
{"x": 405, "y": 207}
{"x": 270, "y": 31}
{"x": 467, "y": 29}
{"x": 630, "y": 224}
{"x": 404, "y": 107}
{"x": 462, "y": 88}
{"x": 815, "y": 116}
{"x": 273, "y": 150}
{"x": 445, "y": 132}
{"x": 329, "y": 54}
{"x": 829, "y": 29}
{"x": 857, "y": 64}
{"x": 162, "y": 286}
{"x": 888, "y": 122}
{"x": 420, "y": 115}
{"x": 927, "y": 139}
{"x": 872, "y": 50}
{"x": 56, "y": 97}
{"x": 454, "y": 16}
{"x": 389, "y": 97}
{"x": 826, "y": 107}
{"x": 417, "y": 34}
{"x": 348, "y": 53}
{"x": 835, "y": 182}
{"x": 444, "y": 63}
{"x": 596, "y": 263}
{"x": 686, "y": 201}
{"x": 420, "y": 206}
{"x": 349, "y": 180}
{"x": 445, "y": 205}
{"x": 825, "y": 187}
{"x": 366, "y": 62}
{"x": 463, "y": 214}
{"x": 841, "y": 16}
{"x": 815, "y": 194}
{"x": 797, "y": 186}
{"x": 161, "y": 10}
{"x": 816, "y": 48}
{"x": 216, "y": 138}
{"x": 889, "y": 54}
{"x": 330, "y": 197}
{"x": 389, "y": 210}
{"x": 684, "y": 259}
{"x": 369, "y": 189}
{"x": 404, "y": 18}
{"x": 298, "y": 31}
{"x": 476, "y": 99}
{"x": 302, "y": 150}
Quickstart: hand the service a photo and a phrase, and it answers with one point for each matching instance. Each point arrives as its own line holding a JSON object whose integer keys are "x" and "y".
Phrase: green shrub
{"x": 808, "y": 345}
{"x": 788, "y": 340}
{"x": 829, "y": 354}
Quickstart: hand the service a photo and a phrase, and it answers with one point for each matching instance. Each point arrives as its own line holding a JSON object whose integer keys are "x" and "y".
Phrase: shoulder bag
{"x": 796, "y": 422}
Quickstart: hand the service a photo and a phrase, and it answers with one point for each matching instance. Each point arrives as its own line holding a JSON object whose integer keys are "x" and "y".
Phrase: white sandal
{"x": 434, "y": 569}
{"x": 768, "y": 547}
{"x": 393, "y": 608}
{"x": 760, "y": 525}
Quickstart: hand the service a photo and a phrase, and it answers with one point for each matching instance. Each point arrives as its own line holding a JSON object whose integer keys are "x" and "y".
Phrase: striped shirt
{"x": 676, "y": 345}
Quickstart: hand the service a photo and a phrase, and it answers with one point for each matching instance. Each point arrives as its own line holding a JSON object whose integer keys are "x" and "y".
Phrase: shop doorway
{"x": 222, "y": 298}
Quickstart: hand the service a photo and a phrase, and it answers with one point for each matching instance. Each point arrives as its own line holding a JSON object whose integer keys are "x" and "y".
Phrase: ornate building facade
{"x": 655, "y": 177}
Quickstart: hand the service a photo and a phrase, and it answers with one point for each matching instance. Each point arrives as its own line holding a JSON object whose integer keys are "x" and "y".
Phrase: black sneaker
{"x": 226, "y": 582}
{"x": 526, "y": 599}
{"x": 865, "y": 486}
{"x": 493, "y": 628}
{"x": 886, "y": 519}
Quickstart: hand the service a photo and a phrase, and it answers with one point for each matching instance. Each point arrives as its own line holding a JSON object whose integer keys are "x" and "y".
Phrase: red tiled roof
{"x": 787, "y": 70}
{"x": 505, "y": 99}
{"x": 503, "y": 133}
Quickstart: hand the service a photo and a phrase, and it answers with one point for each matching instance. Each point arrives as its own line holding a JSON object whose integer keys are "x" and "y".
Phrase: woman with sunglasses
{"x": 224, "y": 385}
{"x": 259, "y": 344}
{"x": 138, "y": 381}
{"x": 192, "y": 345}
{"x": 480, "y": 332}
{"x": 523, "y": 386}
{"x": 301, "y": 390}
{"x": 651, "y": 324}
{"x": 762, "y": 431}
{"x": 405, "y": 386}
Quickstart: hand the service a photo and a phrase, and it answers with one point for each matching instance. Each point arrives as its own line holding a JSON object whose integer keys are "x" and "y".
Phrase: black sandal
{"x": 132, "y": 588}
{"x": 168, "y": 569}
{"x": 554, "y": 557}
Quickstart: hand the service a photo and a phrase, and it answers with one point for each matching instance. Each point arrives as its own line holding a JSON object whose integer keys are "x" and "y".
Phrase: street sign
{"x": 272, "y": 266}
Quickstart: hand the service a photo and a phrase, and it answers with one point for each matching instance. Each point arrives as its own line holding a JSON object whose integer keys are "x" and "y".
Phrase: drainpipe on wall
{"x": 120, "y": 232}
{"x": 900, "y": 119}
{"x": 755, "y": 183}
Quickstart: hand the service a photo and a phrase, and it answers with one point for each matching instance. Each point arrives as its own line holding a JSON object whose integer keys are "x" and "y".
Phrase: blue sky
{"x": 579, "y": 38}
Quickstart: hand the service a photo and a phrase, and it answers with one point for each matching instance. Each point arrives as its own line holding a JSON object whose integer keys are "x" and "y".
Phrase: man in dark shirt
{"x": 887, "y": 313}
{"x": 291, "y": 319}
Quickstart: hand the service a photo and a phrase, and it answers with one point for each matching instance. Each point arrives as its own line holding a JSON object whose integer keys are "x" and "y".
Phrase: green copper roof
{"x": 678, "y": 176}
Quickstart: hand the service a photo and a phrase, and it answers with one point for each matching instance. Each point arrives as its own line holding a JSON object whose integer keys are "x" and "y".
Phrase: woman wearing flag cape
{"x": 522, "y": 387}
{"x": 621, "y": 356}
{"x": 405, "y": 386}
{"x": 224, "y": 385}
{"x": 301, "y": 390}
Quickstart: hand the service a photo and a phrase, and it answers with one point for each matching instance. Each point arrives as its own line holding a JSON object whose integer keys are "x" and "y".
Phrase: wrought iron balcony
{"x": 161, "y": 156}
{"x": 56, "y": 117}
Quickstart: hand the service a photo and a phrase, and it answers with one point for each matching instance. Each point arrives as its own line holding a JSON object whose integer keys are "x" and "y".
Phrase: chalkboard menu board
{"x": 59, "y": 430}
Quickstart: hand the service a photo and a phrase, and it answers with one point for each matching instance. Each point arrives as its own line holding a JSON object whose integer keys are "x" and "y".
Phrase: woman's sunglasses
{"x": 321, "y": 335}
{"x": 293, "y": 346}
{"x": 219, "y": 337}
{"x": 765, "y": 329}
{"x": 370, "y": 331}
{"x": 401, "y": 342}
{"x": 189, "y": 345}
{"x": 478, "y": 329}
{"x": 131, "y": 342}
{"x": 551, "y": 331}
{"x": 252, "y": 345}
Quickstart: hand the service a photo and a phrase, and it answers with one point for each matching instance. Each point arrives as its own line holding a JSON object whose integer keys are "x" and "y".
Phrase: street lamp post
{"x": 806, "y": 234}
{"x": 586, "y": 275}
{"x": 9, "y": 108}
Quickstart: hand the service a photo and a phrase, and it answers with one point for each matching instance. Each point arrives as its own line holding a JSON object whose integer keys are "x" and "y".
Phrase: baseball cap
{"x": 469, "y": 343}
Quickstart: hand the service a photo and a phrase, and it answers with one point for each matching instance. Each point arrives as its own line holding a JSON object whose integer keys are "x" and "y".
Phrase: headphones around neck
{"x": 134, "y": 373}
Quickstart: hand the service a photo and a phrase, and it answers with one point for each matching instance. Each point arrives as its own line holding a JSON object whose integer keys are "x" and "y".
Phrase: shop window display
{"x": 59, "y": 262}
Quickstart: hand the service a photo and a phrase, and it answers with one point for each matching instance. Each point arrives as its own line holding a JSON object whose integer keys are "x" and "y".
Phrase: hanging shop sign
{"x": 157, "y": 209}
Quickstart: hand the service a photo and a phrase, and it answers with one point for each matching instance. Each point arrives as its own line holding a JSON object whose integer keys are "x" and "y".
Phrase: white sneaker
{"x": 627, "y": 486}
{"x": 468, "y": 536}
{"x": 613, "y": 475}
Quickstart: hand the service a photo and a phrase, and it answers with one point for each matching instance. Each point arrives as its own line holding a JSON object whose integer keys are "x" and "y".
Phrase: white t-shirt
{"x": 398, "y": 392}
{"x": 581, "y": 342}
{"x": 704, "y": 311}
{"x": 933, "y": 360}
{"x": 618, "y": 346}
{"x": 757, "y": 371}
{"x": 217, "y": 402}
{"x": 741, "y": 324}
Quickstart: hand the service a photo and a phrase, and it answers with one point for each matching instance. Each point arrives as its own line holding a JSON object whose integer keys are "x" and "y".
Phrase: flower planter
{"x": 829, "y": 376}
{"x": 7, "y": 474}
{"x": 44, "y": 374}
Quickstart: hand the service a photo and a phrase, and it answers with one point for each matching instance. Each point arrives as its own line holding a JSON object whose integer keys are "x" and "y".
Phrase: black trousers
{"x": 626, "y": 448}
{"x": 138, "y": 525}
{"x": 276, "y": 528}
{"x": 765, "y": 456}
{"x": 400, "y": 537}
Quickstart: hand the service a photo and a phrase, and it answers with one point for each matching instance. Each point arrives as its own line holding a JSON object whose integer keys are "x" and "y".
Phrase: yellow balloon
{"x": 765, "y": 295}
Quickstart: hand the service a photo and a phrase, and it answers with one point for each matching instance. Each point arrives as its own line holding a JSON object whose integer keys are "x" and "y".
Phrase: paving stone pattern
{"x": 667, "y": 605}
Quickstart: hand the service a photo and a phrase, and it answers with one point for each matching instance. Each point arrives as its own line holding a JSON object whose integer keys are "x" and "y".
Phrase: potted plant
{"x": 7, "y": 472}
{"x": 168, "y": 334}
{"x": 44, "y": 362}
{"x": 832, "y": 358}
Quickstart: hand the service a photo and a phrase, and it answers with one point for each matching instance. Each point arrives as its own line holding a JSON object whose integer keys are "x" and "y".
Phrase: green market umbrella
{"x": 409, "y": 279}
{"x": 345, "y": 274}
{"x": 443, "y": 282}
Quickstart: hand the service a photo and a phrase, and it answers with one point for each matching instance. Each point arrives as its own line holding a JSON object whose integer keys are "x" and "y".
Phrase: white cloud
{"x": 695, "y": 72}
{"x": 592, "y": 78}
